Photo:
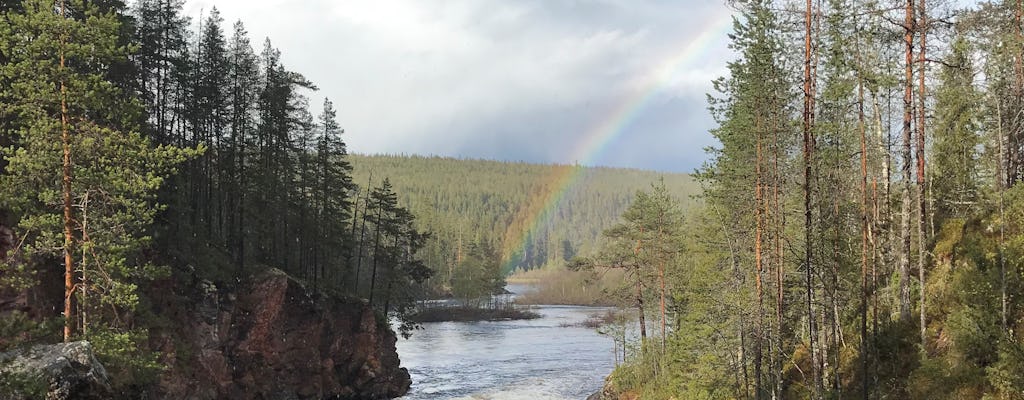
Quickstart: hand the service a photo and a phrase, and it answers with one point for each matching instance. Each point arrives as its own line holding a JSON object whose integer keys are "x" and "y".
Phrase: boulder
{"x": 63, "y": 371}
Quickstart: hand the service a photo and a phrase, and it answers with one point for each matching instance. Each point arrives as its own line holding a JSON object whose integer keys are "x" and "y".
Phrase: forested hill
{"x": 497, "y": 205}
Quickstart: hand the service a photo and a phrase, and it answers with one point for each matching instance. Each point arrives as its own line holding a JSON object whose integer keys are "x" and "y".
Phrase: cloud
{"x": 516, "y": 80}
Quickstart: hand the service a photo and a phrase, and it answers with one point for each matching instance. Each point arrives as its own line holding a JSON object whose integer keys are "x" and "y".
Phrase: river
{"x": 541, "y": 359}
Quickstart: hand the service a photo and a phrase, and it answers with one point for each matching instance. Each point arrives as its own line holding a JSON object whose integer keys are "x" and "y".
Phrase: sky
{"x": 619, "y": 83}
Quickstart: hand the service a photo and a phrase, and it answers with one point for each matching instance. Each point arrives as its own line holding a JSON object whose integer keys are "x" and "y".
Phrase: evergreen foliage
{"x": 101, "y": 106}
{"x": 773, "y": 304}
{"x": 469, "y": 205}
{"x": 858, "y": 184}
{"x": 104, "y": 197}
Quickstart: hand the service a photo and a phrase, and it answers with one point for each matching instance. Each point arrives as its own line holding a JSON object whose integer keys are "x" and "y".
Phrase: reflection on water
{"x": 540, "y": 359}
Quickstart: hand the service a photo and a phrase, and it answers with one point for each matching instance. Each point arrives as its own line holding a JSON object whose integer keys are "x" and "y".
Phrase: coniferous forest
{"x": 860, "y": 229}
{"x": 856, "y": 232}
{"x": 136, "y": 148}
{"x": 184, "y": 150}
{"x": 499, "y": 207}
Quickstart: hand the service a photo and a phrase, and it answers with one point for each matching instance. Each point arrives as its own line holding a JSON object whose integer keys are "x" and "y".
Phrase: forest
{"x": 860, "y": 230}
{"x": 141, "y": 147}
{"x": 496, "y": 210}
{"x": 857, "y": 232}
{"x": 135, "y": 150}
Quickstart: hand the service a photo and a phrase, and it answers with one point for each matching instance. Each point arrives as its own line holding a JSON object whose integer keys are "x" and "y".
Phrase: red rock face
{"x": 274, "y": 340}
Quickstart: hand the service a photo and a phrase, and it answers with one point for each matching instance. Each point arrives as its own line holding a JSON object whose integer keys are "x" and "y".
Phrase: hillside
{"x": 531, "y": 214}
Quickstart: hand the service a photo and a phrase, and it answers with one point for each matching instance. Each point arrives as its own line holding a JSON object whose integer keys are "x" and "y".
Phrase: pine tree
{"x": 161, "y": 33}
{"x": 334, "y": 190}
{"x": 381, "y": 209}
{"x": 660, "y": 218}
{"x": 243, "y": 87}
{"x": 86, "y": 173}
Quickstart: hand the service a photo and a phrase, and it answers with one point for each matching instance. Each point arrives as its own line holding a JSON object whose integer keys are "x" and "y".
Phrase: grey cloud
{"x": 514, "y": 80}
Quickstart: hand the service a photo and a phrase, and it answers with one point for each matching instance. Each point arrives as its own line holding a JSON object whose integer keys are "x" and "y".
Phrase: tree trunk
{"x": 661, "y": 280}
{"x": 908, "y": 117}
{"x": 640, "y": 309}
{"x": 759, "y": 266}
{"x": 85, "y": 283}
{"x": 640, "y": 291}
{"x": 780, "y": 227}
{"x": 864, "y": 234}
{"x": 65, "y": 135}
{"x": 240, "y": 228}
{"x": 362, "y": 235}
{"x": 808, "y": 160}
{"x": 1000, "y": 186}
{"x": 1015, "y": 136}
{"x": 921, "y": 182}
{"x": 376, "y": 247}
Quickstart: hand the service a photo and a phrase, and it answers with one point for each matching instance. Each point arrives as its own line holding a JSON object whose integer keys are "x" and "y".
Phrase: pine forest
{"x": 181, "y": 201}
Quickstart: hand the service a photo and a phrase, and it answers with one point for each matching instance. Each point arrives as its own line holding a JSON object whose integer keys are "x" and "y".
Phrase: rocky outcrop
{"x": 66, "y": 371}
{"x": 273, "y": 339}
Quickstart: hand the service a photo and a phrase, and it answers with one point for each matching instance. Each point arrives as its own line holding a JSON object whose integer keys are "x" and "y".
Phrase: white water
{"x": 540, "y": 359}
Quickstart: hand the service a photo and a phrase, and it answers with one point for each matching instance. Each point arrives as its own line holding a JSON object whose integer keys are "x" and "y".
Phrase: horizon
{"x": 510, "y": 161}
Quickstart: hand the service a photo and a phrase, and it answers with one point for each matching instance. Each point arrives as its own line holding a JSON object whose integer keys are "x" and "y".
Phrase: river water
{"x": 541, "y": 359}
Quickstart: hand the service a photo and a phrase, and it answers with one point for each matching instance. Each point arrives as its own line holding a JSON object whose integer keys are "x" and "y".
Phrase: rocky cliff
{"x": 272, "y": 338}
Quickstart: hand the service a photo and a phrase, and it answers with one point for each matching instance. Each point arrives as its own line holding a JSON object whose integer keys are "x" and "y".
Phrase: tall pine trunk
{"x": 65, "y": 135}
{"x": 808, "y": 139}
{"x": 758, "y": 265}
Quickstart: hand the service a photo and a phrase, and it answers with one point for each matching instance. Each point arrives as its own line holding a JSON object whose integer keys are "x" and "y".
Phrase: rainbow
{"x": 604, "y": 132}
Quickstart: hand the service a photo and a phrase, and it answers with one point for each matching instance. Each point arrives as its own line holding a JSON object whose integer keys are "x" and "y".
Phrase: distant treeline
{"x": 500, "y": 205}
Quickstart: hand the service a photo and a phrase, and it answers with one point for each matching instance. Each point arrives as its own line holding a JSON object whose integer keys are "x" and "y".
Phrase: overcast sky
{"x": 512, "y": 80}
